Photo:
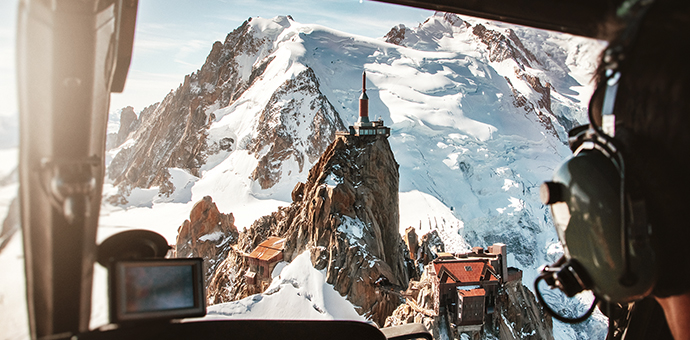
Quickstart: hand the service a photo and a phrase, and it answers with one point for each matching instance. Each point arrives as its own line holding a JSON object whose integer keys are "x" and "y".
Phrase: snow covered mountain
{"x": 478, "y": 121}
{"x": 478, "y": 110}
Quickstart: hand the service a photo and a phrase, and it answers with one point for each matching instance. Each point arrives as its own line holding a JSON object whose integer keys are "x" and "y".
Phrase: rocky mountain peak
{"x": 346, "y": 215}
{"x": 297, "y": 122}
{"x": 205, "y": 234}
{"x": 396, "y": 35}
{"x": 128, "y": 124}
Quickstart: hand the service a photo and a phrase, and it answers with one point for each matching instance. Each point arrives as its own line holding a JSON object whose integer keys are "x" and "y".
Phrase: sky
{"x": 173, "y": 37}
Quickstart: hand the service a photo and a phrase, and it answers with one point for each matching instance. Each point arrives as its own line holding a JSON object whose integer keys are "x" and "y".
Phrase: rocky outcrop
{"x": 421, "y": 306}
{"x": 207, "y": 233}
{"x": 175, "y": 133}
{"x": 228, "y": 283}
{"x": 346, "y": 215}
{"x": 520, "y": 316}
{"x": 430, "y": 245}
{"x": 128, "y": 124}
{"x": 396, "y": 35}
{"x": 501, "y": 46}
{"x": 282, "y": 140}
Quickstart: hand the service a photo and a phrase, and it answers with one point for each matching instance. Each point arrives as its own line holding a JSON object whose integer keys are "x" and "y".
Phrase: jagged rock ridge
{"x": 346, "y": 215}
{"x": 534, "y": 65}
{"x": 175, "y": 134}
{"x": 128, "y": 123}
{"x": 279, "y": 125}
{"x": 205, "y": 234}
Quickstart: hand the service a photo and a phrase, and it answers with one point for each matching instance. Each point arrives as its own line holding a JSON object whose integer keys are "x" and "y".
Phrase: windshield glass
{"x": 227, "y": 107}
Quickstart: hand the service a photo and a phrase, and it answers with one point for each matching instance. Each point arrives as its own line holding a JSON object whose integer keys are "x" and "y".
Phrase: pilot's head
{"x": 621, "y": 204}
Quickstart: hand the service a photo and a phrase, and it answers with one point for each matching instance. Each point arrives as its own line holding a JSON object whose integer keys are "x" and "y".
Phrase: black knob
{"x": 551, "y": 192}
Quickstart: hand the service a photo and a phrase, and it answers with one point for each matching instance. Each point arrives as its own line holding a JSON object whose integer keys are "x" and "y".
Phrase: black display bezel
{"x": 118, "y": 293}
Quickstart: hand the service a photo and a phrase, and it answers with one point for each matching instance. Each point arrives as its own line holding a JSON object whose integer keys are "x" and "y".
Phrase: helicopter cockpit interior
{"x": 71, "y": 55}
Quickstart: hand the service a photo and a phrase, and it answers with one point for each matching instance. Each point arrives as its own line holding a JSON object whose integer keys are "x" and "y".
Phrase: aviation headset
{"x": 599, "y": 217}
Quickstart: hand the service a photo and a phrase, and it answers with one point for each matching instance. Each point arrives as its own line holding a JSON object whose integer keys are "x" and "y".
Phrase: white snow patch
{"x": 13, "y": 314}
{"x": 213, "y": 237}
{"x": 354, "y": 227}
{"x": 426, "y": 213}
{"x": 298, "y": 292}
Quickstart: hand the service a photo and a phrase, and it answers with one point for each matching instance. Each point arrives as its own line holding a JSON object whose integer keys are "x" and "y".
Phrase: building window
{"x": 468, "y": 268}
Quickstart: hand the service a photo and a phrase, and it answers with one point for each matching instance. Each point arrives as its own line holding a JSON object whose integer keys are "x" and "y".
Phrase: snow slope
{"x": 297, "y": 285}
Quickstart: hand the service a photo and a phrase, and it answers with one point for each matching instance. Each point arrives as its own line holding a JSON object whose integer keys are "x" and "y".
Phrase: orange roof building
{"x": 269, "y": 250}
{"x": 263, "y": 259}
{"x": 471, "y": 305}
{"x": 468, "y": 272}
{"x": 468, "y": 284}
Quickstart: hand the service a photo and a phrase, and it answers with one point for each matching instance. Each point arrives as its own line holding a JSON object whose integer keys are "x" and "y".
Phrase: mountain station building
{"x": 363, "y": 126}
{"x": 263, "y": 260}
{"x": 468, "y": 284}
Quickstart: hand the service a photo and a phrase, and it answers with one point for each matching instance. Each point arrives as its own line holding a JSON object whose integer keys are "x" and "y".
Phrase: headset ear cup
{"x": 592, "y": 235}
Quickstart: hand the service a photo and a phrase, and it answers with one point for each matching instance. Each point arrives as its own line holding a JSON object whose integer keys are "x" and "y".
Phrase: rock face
{"x": 346, "y": 215}
{"x": 522, "y": 317}
{"x": 297, "y": 122}
{"x": 128, "y": 124}
{"x": 421, "y": 306}
{"x": 205, "y": 234}
{"x": 396, "y": 35}
{"x": 431, "y": 244}
{"x": 283, "y": 140}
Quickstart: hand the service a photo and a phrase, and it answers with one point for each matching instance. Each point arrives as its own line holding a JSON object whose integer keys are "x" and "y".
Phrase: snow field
{"x": 297, "y": 285}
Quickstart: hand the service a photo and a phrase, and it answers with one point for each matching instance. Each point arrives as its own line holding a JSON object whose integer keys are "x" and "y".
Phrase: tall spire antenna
{"x": 364, "y": 101}
{"x": 364, "y": 81}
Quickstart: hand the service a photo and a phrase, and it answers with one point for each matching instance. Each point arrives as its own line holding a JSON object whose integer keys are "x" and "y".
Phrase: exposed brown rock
{"x": 175, "y": 133}
{"x": 128, "y": 124}
{"x": 431, "y": 244}
{"x": 421, "y": 306}
{"x": 396, "y": 35}
{"x": 502, "y": 47}
{"x": 523, "y": 317}
{"x": 205, "y": 234}
{"x": 543, "y": 109}
{"x": 228, "y": 283}
{"x": 280, "y": 139}
{"x": 346, "y": 215}
{"x": 412, "y": 242}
